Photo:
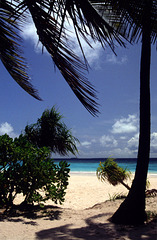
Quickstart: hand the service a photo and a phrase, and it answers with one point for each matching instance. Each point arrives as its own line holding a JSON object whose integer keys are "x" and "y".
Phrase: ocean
{"x": 90, "y": 165}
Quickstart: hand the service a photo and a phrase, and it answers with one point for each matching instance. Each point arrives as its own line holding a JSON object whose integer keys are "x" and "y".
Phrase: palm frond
{"x": 88, "y": 21}
{"x": 49, "y": 18}
{"x": 69, "y": 64}
{"x": 127, "y": 17}
{"x": 10, "y": 53}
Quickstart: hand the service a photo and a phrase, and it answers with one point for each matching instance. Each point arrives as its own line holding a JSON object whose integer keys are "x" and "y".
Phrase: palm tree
{"x": 110, "y": 171}
{"x": 50, "y": 131}
{"x": 103, "y": 21}
{"x": 49, "y": 19}
{"x": 136, "y": 21}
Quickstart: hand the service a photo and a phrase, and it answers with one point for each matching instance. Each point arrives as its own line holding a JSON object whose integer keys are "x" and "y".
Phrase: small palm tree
{"x": 110, "y": 171}
{"x": 50, "y": 131}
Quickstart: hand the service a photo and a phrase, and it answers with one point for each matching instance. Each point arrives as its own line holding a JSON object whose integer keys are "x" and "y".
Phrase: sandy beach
{"x": 84, "y": 215}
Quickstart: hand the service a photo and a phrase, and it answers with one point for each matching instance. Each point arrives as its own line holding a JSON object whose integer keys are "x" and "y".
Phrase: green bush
{"x": 7, "y": 164}
{"x": 27, "y": 169}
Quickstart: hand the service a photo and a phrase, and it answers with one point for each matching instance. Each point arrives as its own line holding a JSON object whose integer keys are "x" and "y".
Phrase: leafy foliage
{"x": 27, "y": 169}
{"x": 110, "y": 171}
{"x": 114, "y": 174}
{"x": 128, "y": 17}
{"x": 7, "y": 163}
{"x": 51, "y": 132}
{"x": 10, "y": 47}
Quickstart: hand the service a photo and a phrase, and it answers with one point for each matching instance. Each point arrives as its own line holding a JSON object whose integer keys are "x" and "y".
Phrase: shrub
{"x": 27, "y": 169}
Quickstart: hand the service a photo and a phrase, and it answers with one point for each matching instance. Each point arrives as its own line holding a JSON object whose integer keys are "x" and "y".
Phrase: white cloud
{"x": 123, "y": 152}
{"x": 29, "y": 33}
{"x": 124, "y": 144}
{"x": 112, "y": 58}
{"x": 92, "y": 54}
{"x": 93, "y": 140}
{"x": 85, "y": 144}
{"x": 125, "y": 125}
{"x": 154, "y": 139}
{"x": 133, "y": 142}
{"x": 120, "y": 139}
{"x": 154, "y": 142}
{"x": 6, "y": 128}
{"x": 108, "y": 141}
{"x": 123, "y": 137}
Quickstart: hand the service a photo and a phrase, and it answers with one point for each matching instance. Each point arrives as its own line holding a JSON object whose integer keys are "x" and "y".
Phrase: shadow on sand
{"x": 68, "y": 224}
{"x": 99, "y": 231}
{"x": 18, "y": 213}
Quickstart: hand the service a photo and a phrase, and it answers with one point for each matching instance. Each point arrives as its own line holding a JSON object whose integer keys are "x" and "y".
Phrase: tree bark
{"x": 132, "y": 210}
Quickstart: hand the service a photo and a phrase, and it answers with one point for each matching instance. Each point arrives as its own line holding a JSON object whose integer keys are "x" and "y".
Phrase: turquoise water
{"x": 90, "y": 165}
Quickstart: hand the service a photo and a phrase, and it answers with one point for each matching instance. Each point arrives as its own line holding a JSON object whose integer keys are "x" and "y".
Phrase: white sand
{"x": 77, "y": 218}
{"x": 85, "y": 190}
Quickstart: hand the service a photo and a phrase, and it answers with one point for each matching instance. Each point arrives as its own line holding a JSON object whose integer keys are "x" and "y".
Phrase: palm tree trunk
{"x": 132, "y": 210}
{"x": 125, "y": 185}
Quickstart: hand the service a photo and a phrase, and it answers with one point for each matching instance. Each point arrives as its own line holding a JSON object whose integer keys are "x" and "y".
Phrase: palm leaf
{"x": 127, "y": 17}
{"x": 48, "y": 30}
{"x": 10, "y": 53}
{"x": 49, "y": 18}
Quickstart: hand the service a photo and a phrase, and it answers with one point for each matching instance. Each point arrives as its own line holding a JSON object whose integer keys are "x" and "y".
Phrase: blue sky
{"x": 115, "y": 130}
